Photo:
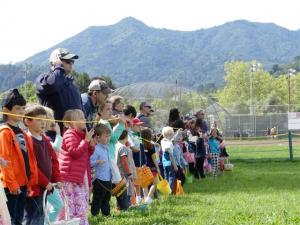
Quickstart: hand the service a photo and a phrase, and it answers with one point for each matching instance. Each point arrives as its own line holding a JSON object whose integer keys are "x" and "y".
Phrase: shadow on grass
{"x": 253, "y": 176}
{"x": 264, "y": 160}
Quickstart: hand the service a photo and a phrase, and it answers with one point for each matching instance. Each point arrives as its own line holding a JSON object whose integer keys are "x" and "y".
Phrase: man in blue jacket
{"x": 95, "y": 99}
{"x": 57, "y": 89}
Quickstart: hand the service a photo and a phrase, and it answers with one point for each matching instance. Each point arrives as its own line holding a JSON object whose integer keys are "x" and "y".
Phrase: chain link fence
{"x": 242, "y": 125}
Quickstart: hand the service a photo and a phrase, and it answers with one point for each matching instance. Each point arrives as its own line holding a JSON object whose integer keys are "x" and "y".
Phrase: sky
{"x": 30, "y": 26}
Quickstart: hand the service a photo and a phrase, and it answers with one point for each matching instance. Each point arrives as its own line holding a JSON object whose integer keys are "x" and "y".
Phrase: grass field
{"x": 263, "y": 188}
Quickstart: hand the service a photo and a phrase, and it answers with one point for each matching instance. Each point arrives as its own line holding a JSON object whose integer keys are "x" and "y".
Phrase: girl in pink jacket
{"x": 77, "y": 147}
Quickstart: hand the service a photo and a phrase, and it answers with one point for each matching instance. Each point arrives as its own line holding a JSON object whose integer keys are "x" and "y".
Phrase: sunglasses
{"x": 71, "y": 62}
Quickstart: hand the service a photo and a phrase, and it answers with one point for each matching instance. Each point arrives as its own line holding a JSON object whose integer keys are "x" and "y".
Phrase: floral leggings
{"x": 78, "y": 200}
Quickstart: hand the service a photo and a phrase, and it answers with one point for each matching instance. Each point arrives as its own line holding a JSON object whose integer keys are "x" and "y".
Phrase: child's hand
{"x": 59, "y": 185}
{"x": 93, "y": 142}
{"x": 100, "y": 162}
{"x": 3, "y": 162}
{"x": 57, "y": 129}
{"x": 89, "y": 135}
{"x": 175, "y": 168}
{"x": 17, "y": 192}
{"x": 49, "y": 187}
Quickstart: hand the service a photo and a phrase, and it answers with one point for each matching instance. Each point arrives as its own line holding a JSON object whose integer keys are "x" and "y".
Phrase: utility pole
{"x": 291, "y": 72}
{"x": 252, "y": 70}
{"x": 27, "y": 67}
{"x": 176, "y": 94}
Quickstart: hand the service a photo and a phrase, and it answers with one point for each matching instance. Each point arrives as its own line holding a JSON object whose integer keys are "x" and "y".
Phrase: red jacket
{"x": 43, "y": 181}
{"x": 14, "y": 174}
{"x": 74, "y": 157}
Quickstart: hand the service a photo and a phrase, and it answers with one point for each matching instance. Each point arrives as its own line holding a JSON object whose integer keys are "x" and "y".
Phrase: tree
{"x": 237, "y": 88}
{"x": 274, "y": 104}
{"x": 108, "y": 80}
{"x": 82, "y": 80}
{"x": 28, "y": 91}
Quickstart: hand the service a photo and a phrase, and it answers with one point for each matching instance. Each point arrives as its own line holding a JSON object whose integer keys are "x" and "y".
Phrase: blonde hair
{"x": 49, "y": 116}
{"x": 167, "y": 132}
{"x": 72, "y": 115}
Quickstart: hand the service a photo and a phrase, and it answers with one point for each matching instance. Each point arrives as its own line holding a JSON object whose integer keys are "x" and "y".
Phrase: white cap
{"x": 61, "y": 53}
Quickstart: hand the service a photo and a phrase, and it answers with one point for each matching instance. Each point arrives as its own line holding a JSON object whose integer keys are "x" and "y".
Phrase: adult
{"x": 200, "y": 122}
{"x": 95, "y": 98}
{"x": 117, "y": 105}
{"x": 174, "y": 120}
{"x": 144, "y": 115}
{"x": 57, "y": 89}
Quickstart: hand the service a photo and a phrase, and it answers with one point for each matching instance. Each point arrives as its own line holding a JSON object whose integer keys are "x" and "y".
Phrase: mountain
{"x": 130, "y": 51}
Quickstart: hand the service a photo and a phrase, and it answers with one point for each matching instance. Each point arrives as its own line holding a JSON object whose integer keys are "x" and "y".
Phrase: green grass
{"x": 263, "y": 188}
{"x": 253, "y": 153}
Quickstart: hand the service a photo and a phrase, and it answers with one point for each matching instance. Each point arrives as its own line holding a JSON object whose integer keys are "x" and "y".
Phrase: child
{"x": 178, "y": 157}
{"x": 169, "y": 164}
{"x": 15, "y": 147}
{"x": 191, "y": 143}
{"x": 77, "y": 147}
{"x": 52, "y": 130}
{"x": 214, "y": 149}
{"x": 4, "y": 214}
{"x": 200, "y": 155}
{"x": 125, "y": 168}
{"x": 151, "y": 161}
{"x": 100, "y": 161}
{"x": 116, "y": 131}
{"x": 48, "y": 168}
{"x": 137, "y": 151}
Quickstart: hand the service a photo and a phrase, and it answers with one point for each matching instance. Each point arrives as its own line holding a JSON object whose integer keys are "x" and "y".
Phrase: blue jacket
{"x": 90, "y": 110}
{"x": 103, "y": 171}
{"x": 58, "y": 92}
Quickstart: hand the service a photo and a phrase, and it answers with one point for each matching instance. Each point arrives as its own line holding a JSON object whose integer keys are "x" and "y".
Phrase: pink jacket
{"x": 74, "y": 157}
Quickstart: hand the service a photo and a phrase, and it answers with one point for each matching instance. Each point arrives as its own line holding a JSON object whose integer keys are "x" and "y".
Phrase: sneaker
{"x": 148, "y": 200}
{"x": 138, "y": 200}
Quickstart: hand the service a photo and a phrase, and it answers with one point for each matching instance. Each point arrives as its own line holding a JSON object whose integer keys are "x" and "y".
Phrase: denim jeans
{"x": 16, "y": 205}
{"x": 34, "y": 214}
{"x": 170, "y": 175}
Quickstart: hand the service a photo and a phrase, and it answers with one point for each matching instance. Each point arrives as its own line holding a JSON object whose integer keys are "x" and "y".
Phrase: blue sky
{"x": 30, "y": 26}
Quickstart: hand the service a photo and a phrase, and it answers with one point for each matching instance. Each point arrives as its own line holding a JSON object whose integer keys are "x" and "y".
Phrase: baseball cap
{"x": 137, "y": 121}
{"x": 11, "y": 98}
{"x": 145, "y": 104}
{"x": 62, "y": 53}
{"x": 99, "y": 85}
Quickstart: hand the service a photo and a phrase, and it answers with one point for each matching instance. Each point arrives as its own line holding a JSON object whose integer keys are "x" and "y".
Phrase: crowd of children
{"x": 83, "y": 164}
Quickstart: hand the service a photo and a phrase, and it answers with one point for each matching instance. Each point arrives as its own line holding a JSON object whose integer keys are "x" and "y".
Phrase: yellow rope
{"x": 51, "y": 120}
{"x": 68, "y": 121}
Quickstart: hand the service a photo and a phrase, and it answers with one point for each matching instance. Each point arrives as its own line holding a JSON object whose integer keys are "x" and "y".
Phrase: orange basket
{"x": 144, "y": 177}
{"x": 120, "y": 188}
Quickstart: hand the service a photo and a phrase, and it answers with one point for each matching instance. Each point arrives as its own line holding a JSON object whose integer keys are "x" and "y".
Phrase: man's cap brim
{"x": 70, "y": 56}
